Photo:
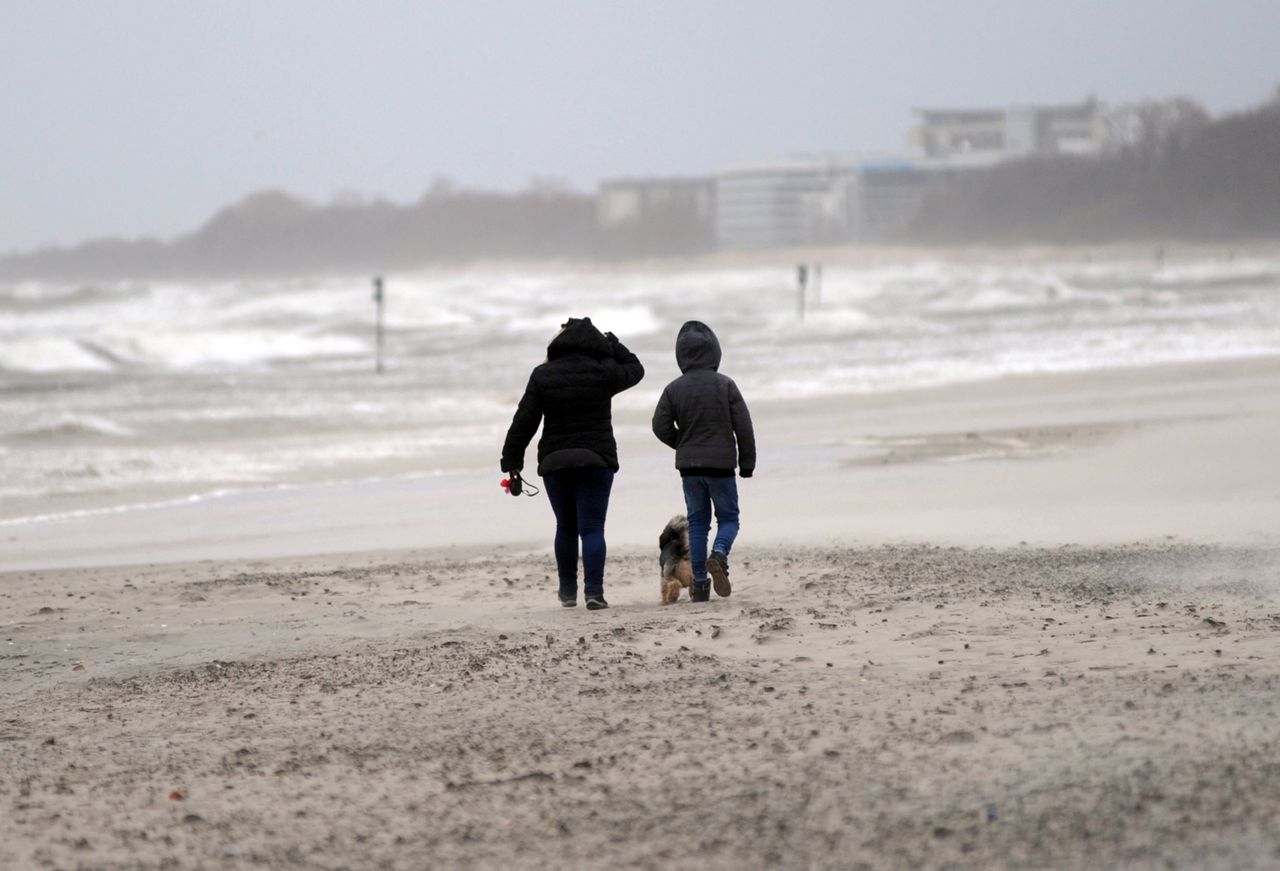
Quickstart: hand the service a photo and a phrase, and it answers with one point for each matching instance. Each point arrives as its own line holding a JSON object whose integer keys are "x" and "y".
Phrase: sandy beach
{"x": 1029, "y": 623}
{"x": 983, "y": 299}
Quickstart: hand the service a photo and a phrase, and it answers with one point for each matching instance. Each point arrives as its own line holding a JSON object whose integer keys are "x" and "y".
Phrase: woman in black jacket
{"x": 577, "y": 455}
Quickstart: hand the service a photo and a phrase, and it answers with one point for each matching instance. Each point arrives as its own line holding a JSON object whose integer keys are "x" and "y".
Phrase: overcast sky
{"x": 142, "y": 118}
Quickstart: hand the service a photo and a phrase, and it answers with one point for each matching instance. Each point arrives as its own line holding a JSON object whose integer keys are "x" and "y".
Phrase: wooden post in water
{"x": 377, "y": 298}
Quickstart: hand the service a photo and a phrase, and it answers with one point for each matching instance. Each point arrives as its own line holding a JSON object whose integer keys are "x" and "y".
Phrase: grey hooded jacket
{"x": 702, "y": 413}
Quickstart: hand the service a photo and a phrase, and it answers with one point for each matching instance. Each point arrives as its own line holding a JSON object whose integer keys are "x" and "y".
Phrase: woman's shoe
{"x": 568, "y": 601}
{"x": 700, "y": 592}
{"x": 596, "y": 603}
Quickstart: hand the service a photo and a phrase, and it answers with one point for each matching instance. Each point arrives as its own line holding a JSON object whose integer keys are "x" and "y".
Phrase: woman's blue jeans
{"x": 701, "y": 493}
{"x": 580, "y": 499}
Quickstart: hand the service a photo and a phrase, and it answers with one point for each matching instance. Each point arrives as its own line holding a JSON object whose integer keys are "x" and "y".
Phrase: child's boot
{"x": 718, "y": 567}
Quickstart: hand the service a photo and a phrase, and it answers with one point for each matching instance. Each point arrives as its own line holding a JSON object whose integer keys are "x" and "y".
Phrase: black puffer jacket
{"x": 573, "y": 391}
{"x": 702, "y": 413}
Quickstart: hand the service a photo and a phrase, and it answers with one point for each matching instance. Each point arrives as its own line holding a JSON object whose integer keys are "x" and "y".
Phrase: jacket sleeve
{"x": 664, "y": 421}
{"x": 740, "y": 415}
{"x": 525, "y": 423}
{"x": 629, "y": 370}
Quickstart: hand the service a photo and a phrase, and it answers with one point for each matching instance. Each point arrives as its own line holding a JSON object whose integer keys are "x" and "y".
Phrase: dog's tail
{"x": 676, "y": 528}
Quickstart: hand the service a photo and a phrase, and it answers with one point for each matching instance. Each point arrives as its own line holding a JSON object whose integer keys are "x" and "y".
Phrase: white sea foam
{"x": 836, "y": 322}
{"x": 53, "y": 517}
{"x": 189, "y": 349}
{"x": 36, "y": 353}
{"x": 65, "y": 425}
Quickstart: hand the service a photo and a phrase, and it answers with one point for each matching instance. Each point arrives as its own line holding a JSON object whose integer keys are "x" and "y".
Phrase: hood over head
{"x": 697, "y": 347}
{"x": 579, "y": 336}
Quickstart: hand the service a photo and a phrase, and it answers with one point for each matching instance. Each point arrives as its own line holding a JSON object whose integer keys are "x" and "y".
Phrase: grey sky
{"x": 130, "y": 118}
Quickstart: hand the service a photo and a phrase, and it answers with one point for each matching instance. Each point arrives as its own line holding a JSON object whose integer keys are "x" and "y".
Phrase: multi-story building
{"x": 1077, "y": 128}
{"x": 823, "y": 200}
{"x": 773, "y": 205}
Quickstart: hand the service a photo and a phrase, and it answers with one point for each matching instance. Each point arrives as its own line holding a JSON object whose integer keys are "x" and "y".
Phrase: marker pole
{"x": 377, "y": 298}
{"x": 802, "y": 279}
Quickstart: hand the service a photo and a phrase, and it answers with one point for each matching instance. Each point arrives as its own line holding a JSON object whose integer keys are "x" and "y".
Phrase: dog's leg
{"x": 684, "y": 573}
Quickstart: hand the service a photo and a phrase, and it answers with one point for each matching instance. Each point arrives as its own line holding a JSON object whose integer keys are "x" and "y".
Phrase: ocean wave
{"x": 992, "y": 298}
{"x": 1209, "y": 275}
{"x": 29, "y": 296}
{"x": 191, "y": 349}
{"x": 41, "y": 354}
{"x": 191, "y": 387}
{"x": 69, "y": 425}
{"x": 54, "y": 516}
{"x": 826, "y": 323}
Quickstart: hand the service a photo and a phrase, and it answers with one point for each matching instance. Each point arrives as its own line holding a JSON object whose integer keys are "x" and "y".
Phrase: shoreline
{"x": 1109, "y": 455}
{"x": 1014, "y": 384}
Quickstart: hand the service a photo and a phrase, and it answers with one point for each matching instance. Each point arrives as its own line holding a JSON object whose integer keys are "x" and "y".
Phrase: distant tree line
{"x": 275, "y": 233}
{"x": 1177, "y": 175}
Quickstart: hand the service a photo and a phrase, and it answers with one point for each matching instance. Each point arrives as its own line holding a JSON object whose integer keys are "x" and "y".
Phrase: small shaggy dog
{"x": 673, "y": 558}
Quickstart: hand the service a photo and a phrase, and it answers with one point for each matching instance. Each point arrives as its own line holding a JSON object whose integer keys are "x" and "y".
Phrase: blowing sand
{"x": 895, "y": 681}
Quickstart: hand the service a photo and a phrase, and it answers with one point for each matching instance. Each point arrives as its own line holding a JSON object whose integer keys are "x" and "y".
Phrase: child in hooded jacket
{"x": 703, "y": 416}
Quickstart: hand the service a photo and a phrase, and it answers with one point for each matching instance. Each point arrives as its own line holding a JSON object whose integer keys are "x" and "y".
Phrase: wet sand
{"x": 1110, "y": 456}
{"x": 895, "y": 682}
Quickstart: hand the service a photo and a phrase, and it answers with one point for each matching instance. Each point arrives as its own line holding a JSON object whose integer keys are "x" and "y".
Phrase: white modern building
{"x": 826, "y": 201}
{"x": 1076, "y": 128}
{"x": 839, "y": 200}
{"x": 779, "y": 204}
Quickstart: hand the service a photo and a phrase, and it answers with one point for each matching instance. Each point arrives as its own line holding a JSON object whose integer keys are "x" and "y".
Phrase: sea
{"x": 119, "y": 395}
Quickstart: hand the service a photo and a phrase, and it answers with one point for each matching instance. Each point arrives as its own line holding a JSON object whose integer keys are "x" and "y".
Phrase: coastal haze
{"x": 1000, "y": 283}
{"x": 145, "y": 118}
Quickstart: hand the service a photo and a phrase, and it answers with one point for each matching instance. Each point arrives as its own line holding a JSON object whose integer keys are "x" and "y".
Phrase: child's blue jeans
{"x": 701, "y": 493}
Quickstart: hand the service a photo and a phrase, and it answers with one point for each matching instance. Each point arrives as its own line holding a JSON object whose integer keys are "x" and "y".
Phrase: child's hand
{"x": 747, "y": 473}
